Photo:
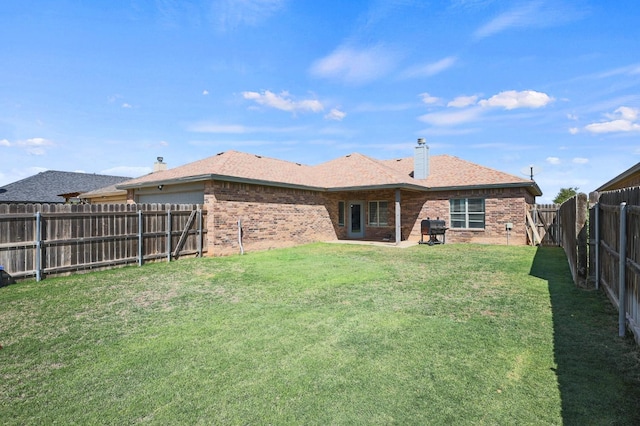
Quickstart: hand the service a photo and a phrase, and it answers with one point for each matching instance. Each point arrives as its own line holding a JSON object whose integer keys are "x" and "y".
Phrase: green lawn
{"x": 319, "y": 334}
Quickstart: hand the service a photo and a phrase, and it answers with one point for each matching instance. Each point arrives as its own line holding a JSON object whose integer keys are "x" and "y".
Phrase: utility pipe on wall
{"x": 240, "y": 236}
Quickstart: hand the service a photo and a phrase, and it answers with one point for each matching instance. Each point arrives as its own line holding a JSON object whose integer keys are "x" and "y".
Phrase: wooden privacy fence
{"x": 616, "y": 253}
{"x": 52, "y": 239}
{"x": 542, "y": 225}
{"x": 572, "y": 216}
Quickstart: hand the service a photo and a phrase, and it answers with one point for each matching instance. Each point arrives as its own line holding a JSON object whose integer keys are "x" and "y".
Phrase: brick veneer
{"x": 271, "y": 217}
{"x": 281, "y": 217}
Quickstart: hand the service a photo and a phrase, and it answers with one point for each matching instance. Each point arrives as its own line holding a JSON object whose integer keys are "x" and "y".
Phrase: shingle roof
{"x": 448, "y": 171}
{"x": 350, "y": 171}
{"x": 232, "y": 164}
{"x": 105, "y": 191}
{"x": 46, "y": 187}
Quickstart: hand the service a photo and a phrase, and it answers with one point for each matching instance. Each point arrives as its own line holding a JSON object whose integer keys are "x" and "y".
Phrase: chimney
{"x": 421, "y": 160}
{"x": 159, "y": 166}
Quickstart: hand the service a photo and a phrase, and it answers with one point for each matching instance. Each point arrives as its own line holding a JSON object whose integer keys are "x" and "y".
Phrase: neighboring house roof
{"x": 353, "y": 171}
{"x": 50, "y": 186}
{"x": 107, "y": 191}
{"x": 628, "y": 178}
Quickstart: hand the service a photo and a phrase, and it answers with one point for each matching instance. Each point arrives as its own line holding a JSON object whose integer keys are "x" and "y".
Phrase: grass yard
{"x": 319, "y": 334}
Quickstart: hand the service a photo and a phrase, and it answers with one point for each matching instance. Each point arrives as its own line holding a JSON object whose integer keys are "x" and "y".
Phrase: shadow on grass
{"x": 598, "y": 373}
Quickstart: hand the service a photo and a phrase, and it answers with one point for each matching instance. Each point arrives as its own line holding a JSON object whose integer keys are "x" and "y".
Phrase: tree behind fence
{"x": 49, "y": 239}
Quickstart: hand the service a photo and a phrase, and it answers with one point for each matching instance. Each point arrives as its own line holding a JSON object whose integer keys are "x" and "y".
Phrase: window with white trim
{"x": 467, "y": 213}
{"x": 378, "y": 213}
{"x": 341, "y": 206}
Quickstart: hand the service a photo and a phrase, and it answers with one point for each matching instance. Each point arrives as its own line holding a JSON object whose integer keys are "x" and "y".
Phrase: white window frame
{"x": 375, "y": 212}
{"x": 342, "y": 207}
{"x": 468, "y": 217}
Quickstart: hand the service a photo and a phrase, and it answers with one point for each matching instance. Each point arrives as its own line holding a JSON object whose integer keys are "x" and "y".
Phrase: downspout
{"x": 398, "y": 218}
{"x": 240, "y": 236}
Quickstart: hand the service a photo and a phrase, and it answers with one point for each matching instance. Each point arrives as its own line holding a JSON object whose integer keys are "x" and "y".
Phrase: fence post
{"x": 169, "y": 235}
{"x": 622, "y": 272}
{"x": 581, "y": 235}
{"x": 38, "y": 246}
{"x": 559, "y": 227}
{"x": 140, "y": 238}
{"x": 597, "y": 243}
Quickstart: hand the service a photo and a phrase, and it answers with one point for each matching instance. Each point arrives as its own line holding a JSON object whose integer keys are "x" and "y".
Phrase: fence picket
{"x": 59, "y": 239}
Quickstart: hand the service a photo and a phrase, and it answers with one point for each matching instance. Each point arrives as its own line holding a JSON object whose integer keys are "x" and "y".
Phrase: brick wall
{"x": 501, "y": 206}
{"x": 279, "y": 217}
{"x": 271, "y": 217}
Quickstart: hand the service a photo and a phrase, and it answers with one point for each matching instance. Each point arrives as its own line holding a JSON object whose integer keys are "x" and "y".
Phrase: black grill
{"x": 432, "y": 228}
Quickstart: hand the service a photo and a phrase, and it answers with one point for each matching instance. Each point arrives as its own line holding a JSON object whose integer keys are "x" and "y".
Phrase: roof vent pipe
{"x": 421, "y": 160}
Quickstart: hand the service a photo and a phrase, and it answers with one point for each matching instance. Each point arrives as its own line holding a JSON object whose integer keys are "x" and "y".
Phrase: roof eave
{"x": 621, "y": 177}
{"x": 532, "y": 187}
{"x": 407, "y": 186}
{"x": 224, "y": 178}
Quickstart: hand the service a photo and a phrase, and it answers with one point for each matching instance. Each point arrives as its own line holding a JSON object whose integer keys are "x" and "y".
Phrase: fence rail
{"x": 53, "y": 239}
{"x": 616, "y": 253}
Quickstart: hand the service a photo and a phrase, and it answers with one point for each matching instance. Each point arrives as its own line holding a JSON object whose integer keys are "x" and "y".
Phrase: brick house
{"x": 280, "y": 203}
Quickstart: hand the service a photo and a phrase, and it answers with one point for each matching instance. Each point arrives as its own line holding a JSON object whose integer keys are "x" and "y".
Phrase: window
{"x": 340, "y": 213}
{"x": 467, "y": 213}
{"x": 378, "y": 213}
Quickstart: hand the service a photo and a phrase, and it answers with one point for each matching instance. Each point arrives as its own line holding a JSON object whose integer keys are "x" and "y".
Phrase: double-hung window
{"x": 378, "y": 213}
{"x": 467, "y": 213}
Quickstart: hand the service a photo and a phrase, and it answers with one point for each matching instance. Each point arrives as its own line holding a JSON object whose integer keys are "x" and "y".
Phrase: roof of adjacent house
{"x": 627, "y": 178}
{"x": 103, "y": 192}
{"x": 353, "y": 171}
{"x": 49, "y": 186}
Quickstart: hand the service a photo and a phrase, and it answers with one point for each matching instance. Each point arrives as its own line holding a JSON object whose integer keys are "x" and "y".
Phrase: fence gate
{"x": 543, "y": 227}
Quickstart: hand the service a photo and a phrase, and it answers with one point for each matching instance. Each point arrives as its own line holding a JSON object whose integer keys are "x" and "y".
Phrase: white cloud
{"x": 613, "y": 127}
{"x": 35, "y": 142}
{"x": 553, "y": 160}
{"x": 623, "y": 119}
{"x": 512, "y": 99}
{"x": 580, "y": 160}
{"x": 283, "y": 101}
{"x": 512, "y": 18}
{"x": 355, "y": 66}
{"x": 463, "y": 101}
{"x": 451, "y": 118}
{"x": 626, "y": 113}
{"x": 534, "y": 14}
{"x": 4, "y": 142}
{"x": 205, "y": 92}
{"x": 335, "y": 114}
{"x": 233, "y": 13}
{"x": 127, "y": 171}
{"x": 468, "y": 108}
{"x": 428, "y": 99}
{"x": 35, "y": 146}
{"x": 126, "y": 105}
{"x": 574, "y": 130}
{"x": 572, "y": 117}
{"x": 431, "y": 69}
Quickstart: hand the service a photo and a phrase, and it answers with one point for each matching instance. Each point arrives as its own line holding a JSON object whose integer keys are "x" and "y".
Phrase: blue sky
{"x": 108, "y": 86}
